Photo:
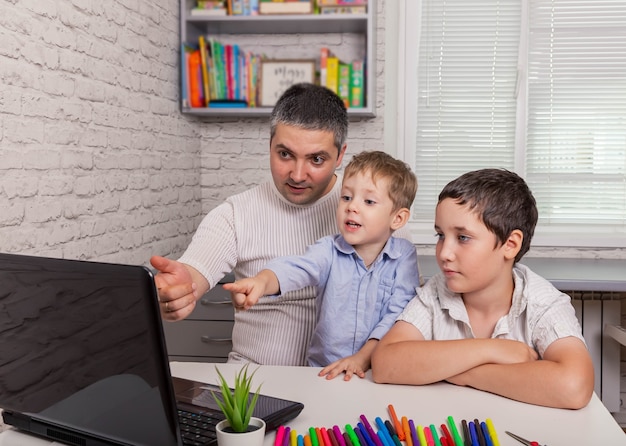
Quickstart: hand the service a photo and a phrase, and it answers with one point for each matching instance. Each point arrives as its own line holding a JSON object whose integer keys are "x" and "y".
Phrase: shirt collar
{"x": 392, "y": 248}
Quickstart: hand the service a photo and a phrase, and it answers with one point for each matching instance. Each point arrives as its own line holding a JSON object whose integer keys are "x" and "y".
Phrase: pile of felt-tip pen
{"x": 392, "y": 433}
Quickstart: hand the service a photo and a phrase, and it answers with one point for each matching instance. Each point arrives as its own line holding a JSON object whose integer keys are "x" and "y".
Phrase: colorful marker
{"x": 407, "y": 431}
{"x": 428, "y": 434}
{"x": 307, "y": 441}
{"x": 433, "y": 431}
{"x": 280, "y": 434}
{"x": 383, "y": 438}
{"x": 339, "y": 436}
{"x": 313, "y": 436}
{"x": 366, "y": 435}
{"x": 396, "y": 422}
{"x": 293, "y": 436}
{"x": 300, "y": 440}
{"x": 458, "y": 441}
{"x": 287, "y": 436}
{"x": 361, "y": 437}
{"x": 473, "y": 435}
{"x": 447, "y": 435}
{"x": 382, "y": 428}
{"x": 421, "y": 436}
{"x": 414, "y": 438}
{"x": 370, "y": 431}
{"x": 492, "y": 432}
{"x": 486, "y": 436}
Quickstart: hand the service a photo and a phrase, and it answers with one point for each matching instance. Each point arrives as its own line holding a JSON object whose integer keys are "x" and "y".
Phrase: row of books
{"x": 217, "y": 75}
{"x": 345, "y": 79}
{"x": 256, "y": 7}
{"x": 214, "y": 74}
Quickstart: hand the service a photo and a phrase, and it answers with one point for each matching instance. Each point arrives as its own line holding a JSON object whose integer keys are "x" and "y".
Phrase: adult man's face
{"x": 303, "y": 163}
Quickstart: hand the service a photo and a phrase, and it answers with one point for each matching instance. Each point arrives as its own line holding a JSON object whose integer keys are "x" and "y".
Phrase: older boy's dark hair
{"x": 311, "y": 107}
{"x": 501, "y": 199}
{"x": 402, "y": 181}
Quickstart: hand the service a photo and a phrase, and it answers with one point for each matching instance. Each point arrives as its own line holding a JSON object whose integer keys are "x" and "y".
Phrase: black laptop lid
{"x": 78, "y": 351}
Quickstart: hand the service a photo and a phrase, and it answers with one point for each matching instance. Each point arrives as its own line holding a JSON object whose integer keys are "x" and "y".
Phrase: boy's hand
{"x": 351, "y": 365}
{"x": 245, "y": 292}
{"x": 509, "y": 351}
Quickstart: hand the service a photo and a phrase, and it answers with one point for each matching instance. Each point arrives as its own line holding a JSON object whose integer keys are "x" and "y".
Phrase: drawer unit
{"x": 205, "y": 335}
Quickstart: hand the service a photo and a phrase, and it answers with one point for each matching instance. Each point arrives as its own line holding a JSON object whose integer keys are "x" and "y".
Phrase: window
{"x": 534, "y": 86}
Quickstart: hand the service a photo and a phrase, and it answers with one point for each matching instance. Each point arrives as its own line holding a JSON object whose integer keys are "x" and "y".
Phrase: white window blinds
{"x": 535, "y": 86}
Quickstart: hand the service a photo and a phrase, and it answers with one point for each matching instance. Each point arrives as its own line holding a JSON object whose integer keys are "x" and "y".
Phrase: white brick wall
{"x": 96, "y": 162}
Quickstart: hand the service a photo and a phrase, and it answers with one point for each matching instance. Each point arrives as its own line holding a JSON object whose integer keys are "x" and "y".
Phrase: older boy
{"x": 486, "y": 321}
{"x": 364, "y": 276}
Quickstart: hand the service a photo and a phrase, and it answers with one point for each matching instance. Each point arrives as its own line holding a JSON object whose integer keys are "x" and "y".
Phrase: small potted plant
{"x": 237, "y": 405}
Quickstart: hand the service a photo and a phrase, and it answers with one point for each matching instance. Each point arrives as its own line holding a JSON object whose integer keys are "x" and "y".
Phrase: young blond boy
{"x": 364, "y": 277}
{"x": 486, "y": 321}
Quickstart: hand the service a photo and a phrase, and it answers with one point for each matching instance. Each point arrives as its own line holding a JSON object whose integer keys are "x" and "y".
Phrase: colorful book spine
{"x": 204, "y": 58}
{"x": 332, "y": 73}
{"x": 324, "y": 54}
{"x": 343, "y": 89}
{"x": 196, "y": 96}
{"x": 357, "y": 84}
{"x": 185, "y": 50}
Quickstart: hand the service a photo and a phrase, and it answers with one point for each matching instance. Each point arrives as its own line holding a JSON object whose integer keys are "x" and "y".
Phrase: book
{"x": 332, "y": 73}
{"x": 357, "y": 84}
{"x": 343, "y": 85}
{"x": 196, "y": 95}
{"x": 343, "y": 9}
{"x": 201, "y": 12}
{"x": 185, "y": 51}
{"x": 204, "y": 58}
{"x": 286, "y": 7}
{"x": 341, "y": 2}
{"x": 324, "y": 53}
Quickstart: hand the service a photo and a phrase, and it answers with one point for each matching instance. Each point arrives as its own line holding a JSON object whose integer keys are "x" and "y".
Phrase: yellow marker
{"x": 407, "y": 431}
{"x": 293, "y": 436}
{"x": 420, "y": 434}
{"x": 492, "y": 432}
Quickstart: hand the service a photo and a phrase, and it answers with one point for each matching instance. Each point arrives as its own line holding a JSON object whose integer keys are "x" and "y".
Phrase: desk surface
{"x": 336, "y": 402}
{"x": 327, "y": 403}
{"x": 565, "y": 274}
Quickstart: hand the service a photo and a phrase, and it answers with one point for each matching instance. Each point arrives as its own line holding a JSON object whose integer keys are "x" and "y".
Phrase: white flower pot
{"x": 253, "y": 438}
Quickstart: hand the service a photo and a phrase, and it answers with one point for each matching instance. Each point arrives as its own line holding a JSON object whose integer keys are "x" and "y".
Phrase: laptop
{"x": 83, "y": 359}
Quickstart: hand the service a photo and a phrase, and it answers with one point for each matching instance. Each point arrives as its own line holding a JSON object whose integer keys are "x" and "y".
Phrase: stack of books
{"x": 218, "y": 75}
{"x": 347, "y": 80}
{"x": 205, "y": 8}
{"x": 286, "y": 7}
{"x": 342, "y": 6}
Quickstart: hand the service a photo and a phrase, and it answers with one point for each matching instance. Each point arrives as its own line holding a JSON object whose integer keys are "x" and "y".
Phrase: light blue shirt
{"x": 354, "y": 304}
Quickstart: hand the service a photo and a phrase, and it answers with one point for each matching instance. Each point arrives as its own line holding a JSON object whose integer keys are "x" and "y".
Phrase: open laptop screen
{"x": 77, "y": 351}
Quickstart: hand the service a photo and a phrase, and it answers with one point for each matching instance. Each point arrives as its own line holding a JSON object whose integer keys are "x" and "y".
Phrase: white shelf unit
{"x": 359, "y": 24}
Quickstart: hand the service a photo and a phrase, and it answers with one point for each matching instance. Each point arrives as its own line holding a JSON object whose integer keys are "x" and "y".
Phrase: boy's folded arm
{"x": 404, "y": 357}
{"x": 563, "y": 378}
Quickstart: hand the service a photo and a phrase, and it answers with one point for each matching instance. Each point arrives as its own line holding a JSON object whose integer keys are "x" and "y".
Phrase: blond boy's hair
{"x": 402, "y": 181}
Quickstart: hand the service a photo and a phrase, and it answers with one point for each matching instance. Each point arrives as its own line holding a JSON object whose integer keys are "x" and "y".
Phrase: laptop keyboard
{"x": 198, "y": 429}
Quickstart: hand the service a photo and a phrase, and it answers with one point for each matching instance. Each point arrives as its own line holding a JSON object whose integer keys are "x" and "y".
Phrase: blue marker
{"x": 382, "y": 428}
{"x": 473, "y": 434}
{"x": 383, "y": 438}
{"x": 486, "y": 435}
{"x": 366, "y": 436}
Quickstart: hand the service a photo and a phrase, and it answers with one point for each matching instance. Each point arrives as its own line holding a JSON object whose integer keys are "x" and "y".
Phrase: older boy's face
{"x": 467, "y": 252}
{"x": 303, "y": 163}
{"x": 365, "y": 212}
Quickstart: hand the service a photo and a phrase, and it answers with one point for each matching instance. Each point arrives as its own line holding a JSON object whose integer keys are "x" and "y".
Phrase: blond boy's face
{"x": 365, "y": 212}
{"x": 467, "y": 252}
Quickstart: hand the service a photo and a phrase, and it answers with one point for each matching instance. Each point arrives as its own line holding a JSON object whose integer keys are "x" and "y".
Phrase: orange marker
{"x": 307, "y": 441}
{"x": 407, "y": 431}
{"x": 396, "y": 423}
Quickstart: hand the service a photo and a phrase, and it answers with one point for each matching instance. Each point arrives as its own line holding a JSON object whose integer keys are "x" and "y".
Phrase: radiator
{"x": 598, "y": 318}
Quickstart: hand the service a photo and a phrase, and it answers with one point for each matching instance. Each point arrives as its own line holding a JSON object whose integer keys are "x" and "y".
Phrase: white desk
{"x": 327, "y": 403}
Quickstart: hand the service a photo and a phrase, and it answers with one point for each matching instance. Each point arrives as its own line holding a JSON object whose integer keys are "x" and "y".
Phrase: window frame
{"x": 408, "y": 14}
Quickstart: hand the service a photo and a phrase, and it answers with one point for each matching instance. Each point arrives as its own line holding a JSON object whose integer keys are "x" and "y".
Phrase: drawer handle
{"x": 209, "y": 340}
{"x": 215, "y": 302}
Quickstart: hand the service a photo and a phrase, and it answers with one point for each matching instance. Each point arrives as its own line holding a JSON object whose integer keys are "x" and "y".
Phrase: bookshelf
{"x": 266, "y": 26}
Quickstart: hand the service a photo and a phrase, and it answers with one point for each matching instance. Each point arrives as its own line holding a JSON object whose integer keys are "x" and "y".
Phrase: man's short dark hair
{"x": 311, "y": 107}
{"x": 501, "y": 199}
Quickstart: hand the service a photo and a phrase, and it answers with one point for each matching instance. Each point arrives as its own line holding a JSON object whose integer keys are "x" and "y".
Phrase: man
{"x": 308, "y": 130}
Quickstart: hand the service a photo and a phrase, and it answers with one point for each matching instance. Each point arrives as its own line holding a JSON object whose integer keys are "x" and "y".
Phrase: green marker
{"x": 313, "y": 436}
{"x": 353, "y": 438}
{"x": 458, "y": 441}
{"x": 433, "y": 430}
